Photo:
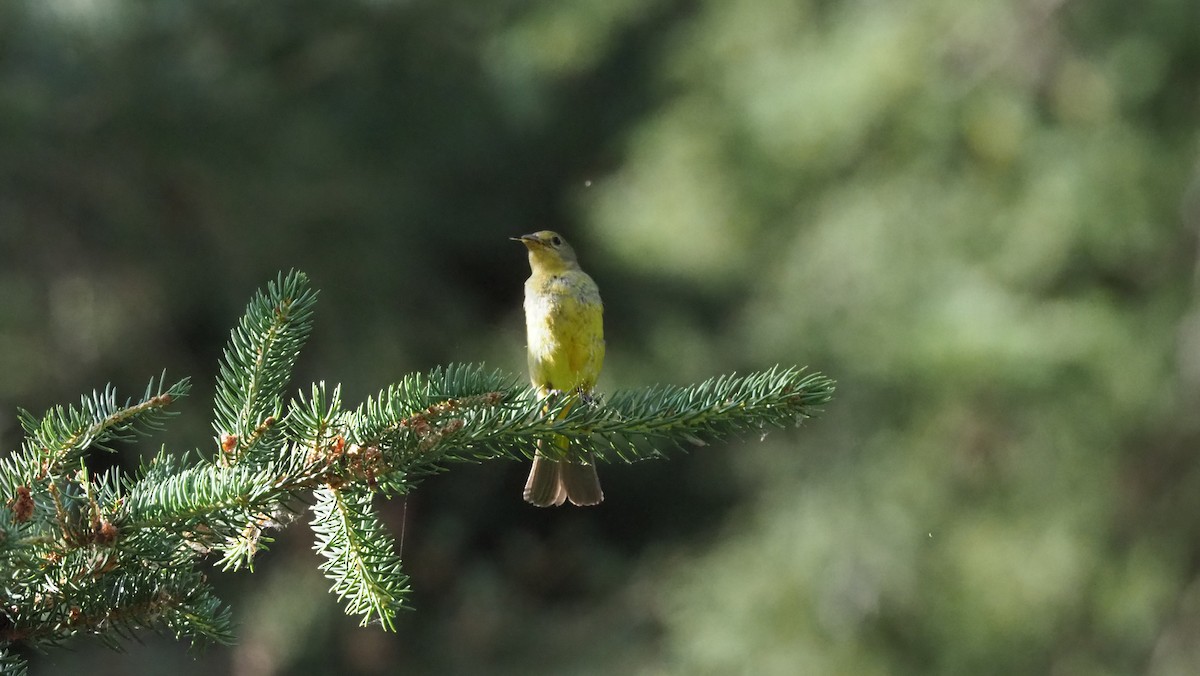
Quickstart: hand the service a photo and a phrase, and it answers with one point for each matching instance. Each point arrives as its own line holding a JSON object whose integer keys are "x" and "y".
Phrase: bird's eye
{"x": 556, "y": 240}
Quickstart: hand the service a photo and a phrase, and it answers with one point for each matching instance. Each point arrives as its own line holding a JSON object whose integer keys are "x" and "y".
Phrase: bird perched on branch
{"x": 564, "y": 326}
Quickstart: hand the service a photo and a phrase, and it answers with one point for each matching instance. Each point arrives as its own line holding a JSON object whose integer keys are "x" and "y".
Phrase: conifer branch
{"x": 111, "y": 553}
{"x": 258, "y": 365}
{"x": 360, "y": 557}
{"x": 61, "y": 436}
{"x": 12, "y": 665}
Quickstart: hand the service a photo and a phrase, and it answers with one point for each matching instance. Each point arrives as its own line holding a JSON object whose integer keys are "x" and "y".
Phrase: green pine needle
{"x": 12, "y": 665}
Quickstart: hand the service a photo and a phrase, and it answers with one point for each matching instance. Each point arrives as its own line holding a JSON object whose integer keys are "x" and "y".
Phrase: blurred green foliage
{"x": 979, "y": 217}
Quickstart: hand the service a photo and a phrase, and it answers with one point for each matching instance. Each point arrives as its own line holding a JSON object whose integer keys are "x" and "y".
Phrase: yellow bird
{"x": 564, "y": 324}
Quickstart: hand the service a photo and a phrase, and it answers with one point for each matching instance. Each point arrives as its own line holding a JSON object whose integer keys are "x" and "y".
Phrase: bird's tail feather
{"x": 552, "y": 482}
{"x": 582, "y": 482}
{"x": 544, "y": 487}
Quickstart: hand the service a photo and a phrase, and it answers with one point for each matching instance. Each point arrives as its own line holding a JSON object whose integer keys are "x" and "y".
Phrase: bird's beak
{"x": 528, "y": 240}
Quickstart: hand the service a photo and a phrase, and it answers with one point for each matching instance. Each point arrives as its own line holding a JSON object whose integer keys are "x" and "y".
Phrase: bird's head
{"x": 548, "y": 251}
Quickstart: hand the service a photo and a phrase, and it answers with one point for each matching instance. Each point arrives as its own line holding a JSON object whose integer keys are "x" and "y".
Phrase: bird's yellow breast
{"x": 565, "y": 328}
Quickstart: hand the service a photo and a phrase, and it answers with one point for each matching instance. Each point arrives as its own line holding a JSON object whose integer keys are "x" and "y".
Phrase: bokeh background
{"x": 981, "y": 218}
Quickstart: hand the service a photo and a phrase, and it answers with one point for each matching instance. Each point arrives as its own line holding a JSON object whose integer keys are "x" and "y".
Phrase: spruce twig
{"x": 110, "y": 553}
